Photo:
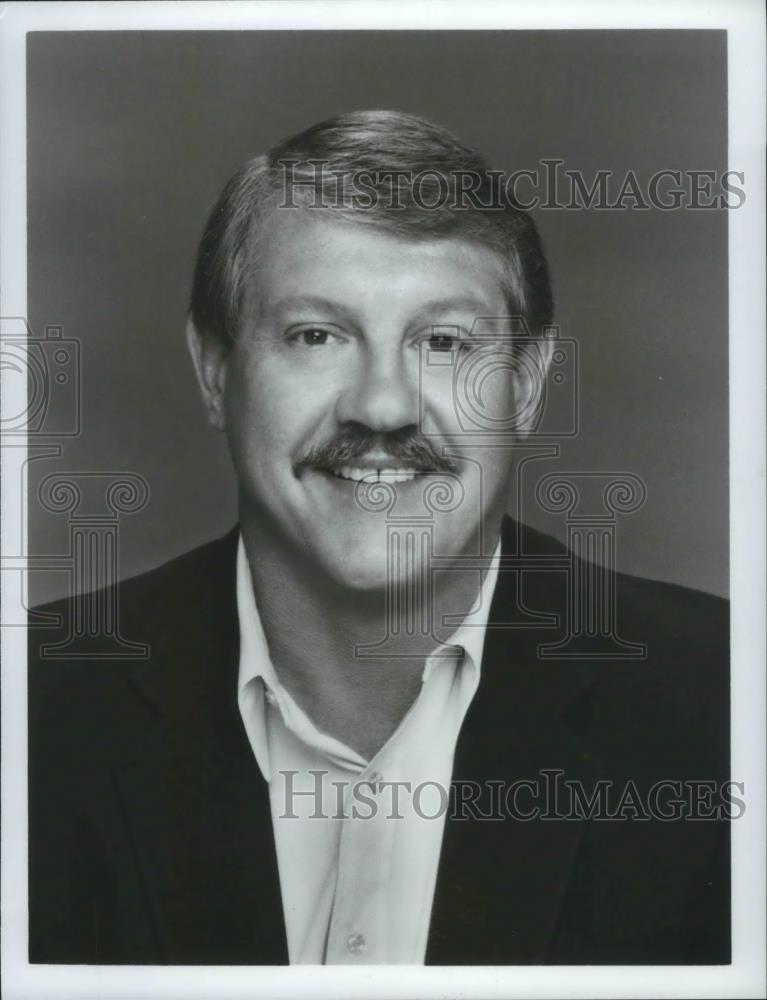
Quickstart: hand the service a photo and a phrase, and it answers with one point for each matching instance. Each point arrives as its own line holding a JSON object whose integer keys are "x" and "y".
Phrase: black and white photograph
{"x": 383, "y": 523}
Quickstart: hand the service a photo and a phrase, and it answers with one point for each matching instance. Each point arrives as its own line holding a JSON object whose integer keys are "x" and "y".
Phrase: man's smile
{"x": 358, "y": 474}
{"x": 374, "y": 467}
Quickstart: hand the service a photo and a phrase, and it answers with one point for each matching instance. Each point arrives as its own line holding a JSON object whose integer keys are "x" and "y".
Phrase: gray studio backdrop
{"x": 132, "y": 134}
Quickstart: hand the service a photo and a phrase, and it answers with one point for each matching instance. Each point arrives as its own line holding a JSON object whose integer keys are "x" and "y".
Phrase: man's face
{"x": 339, "y": 395}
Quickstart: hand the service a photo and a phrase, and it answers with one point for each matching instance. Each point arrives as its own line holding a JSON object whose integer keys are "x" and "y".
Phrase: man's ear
{"x": 209, "y": 357}
{"x": 530, "y": 374}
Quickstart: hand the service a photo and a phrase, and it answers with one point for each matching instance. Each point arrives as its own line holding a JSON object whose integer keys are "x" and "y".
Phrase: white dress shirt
{"x": 358, "y": 859}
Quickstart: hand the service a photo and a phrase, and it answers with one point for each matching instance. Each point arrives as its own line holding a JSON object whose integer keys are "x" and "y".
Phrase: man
{"x": 342, "y": 746}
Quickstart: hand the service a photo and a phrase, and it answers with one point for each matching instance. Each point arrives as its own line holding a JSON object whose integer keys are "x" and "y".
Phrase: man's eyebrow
{"x": 476, "y": 306}
{"x": 457, "y": 302}
{"x": 295, "y": 303}
{"x": 479, "y": 308}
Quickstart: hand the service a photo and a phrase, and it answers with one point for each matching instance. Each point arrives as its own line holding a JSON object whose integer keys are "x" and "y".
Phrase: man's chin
{"x": 366, "y": 569}
{"x": 360, "y": 572}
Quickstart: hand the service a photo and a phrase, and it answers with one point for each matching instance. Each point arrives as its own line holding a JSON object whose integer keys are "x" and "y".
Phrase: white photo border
{"x": 744, "y": 22}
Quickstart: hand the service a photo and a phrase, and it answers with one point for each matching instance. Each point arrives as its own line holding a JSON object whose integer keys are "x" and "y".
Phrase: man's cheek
{"x": 438, "y": 412}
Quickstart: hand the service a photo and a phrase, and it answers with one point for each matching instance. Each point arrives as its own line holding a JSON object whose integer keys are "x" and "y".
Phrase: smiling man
{"x": 340, "y": 747}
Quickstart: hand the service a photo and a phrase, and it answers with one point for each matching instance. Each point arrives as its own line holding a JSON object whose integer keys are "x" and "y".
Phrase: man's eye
{"x": 313, "y": 337}
{"x": 446, "y": 342}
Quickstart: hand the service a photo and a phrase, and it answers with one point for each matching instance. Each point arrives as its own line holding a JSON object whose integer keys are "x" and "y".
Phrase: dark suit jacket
{"x": 150, "y": 832}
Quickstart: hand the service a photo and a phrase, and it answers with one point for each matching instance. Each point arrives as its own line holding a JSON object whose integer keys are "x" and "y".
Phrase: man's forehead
{"x": 301, "y": 254}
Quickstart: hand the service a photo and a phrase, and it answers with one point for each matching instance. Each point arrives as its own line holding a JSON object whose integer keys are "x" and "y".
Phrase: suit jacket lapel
{"x": 195, "y": 799}
{"x": 502, "y": 881}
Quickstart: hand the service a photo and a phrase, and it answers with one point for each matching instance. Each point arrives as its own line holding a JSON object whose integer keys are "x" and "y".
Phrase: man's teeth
{"x": 375, "y": 475}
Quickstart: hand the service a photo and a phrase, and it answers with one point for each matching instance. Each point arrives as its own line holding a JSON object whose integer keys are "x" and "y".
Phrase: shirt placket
{"x": 359, "y": 925}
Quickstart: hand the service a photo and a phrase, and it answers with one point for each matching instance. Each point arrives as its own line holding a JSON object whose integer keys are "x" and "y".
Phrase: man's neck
{"x": 329, "y": 643}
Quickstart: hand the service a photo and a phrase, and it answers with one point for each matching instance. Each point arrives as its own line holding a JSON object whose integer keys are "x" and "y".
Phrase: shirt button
{"x": 356, "y": 943}
{"x": 375, "y": 778}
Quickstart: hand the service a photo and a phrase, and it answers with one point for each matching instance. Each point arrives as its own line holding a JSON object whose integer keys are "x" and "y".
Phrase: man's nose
{"x": 382, "y": 393}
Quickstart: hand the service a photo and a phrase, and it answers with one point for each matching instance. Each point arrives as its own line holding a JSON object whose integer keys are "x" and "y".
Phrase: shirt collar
{"x": 255, "y": 659}
{"x": 470, "y": 634}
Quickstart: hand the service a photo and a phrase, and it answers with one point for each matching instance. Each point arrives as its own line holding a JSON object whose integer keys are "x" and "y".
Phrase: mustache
{"x": 406, "y": 446}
